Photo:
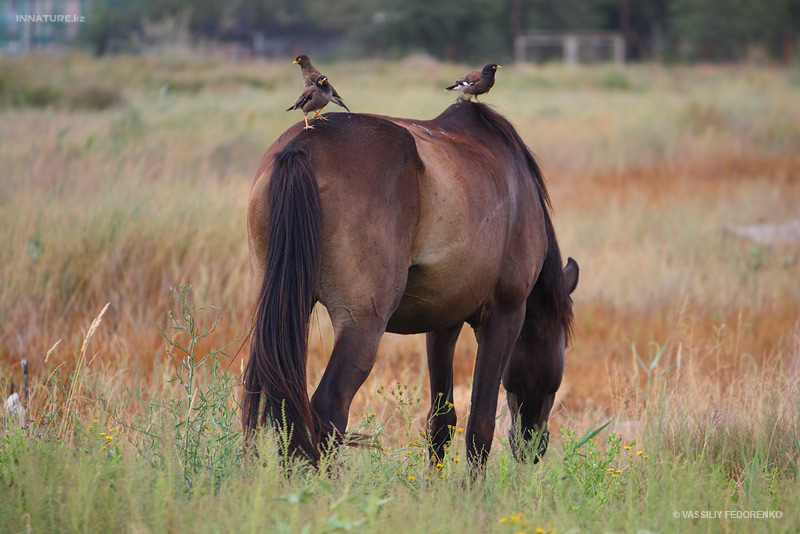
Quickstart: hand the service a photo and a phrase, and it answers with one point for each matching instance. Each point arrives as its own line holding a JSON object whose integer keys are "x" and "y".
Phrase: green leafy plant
{"x": 589, "y": 466}
{"x": 201, "y": 423}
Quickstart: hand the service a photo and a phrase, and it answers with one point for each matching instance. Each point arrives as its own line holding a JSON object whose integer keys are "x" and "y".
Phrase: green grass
{"x": 170, "y": 459}
{"x": 49, "y": 486}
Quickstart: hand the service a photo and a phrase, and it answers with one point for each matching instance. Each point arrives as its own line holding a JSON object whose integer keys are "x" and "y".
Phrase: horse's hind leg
{"x": 352, "y": 359}
{"x": 441, "y": 345}
{"x": 496, "y": 339}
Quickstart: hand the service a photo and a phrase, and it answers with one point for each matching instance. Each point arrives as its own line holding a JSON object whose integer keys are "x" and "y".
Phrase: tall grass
{"x": 686, "y": 337}
{"x": 177, "y": 467}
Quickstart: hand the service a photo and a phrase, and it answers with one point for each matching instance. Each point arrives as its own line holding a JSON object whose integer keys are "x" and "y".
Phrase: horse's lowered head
{"x": 536, "y": 365}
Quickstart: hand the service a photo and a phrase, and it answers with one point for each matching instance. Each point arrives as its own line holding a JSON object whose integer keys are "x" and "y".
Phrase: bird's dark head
{"x": 303, "y": 61}
{"x": 322, "y": 82}
{"x": 490, "y": 69}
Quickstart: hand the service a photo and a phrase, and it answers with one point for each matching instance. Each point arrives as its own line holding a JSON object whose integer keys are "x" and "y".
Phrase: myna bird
{"x": 314, "y": 98}
{"x": 476, "y": 82}
{"x": 310, "y": 75}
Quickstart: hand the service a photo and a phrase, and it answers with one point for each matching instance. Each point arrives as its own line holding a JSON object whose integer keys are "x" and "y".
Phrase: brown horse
{"x": 406, "y": 226}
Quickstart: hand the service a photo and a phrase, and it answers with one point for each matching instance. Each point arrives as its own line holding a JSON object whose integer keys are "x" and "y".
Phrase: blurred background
{"x": 468, "y": 30}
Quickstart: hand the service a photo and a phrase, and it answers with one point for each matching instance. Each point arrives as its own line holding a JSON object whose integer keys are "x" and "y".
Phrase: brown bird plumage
{"x": 314, "y": 98}
{"x": 477, "y": 82}
{"x": 310, "y": 75}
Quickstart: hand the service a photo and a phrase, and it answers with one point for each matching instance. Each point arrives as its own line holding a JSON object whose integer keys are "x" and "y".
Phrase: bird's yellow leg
{"x": 318, "y": 116}
{"x": 477, "y": 99}
{"x": 307, "y": 126}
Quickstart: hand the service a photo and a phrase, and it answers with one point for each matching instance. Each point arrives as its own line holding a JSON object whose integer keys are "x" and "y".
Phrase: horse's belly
{"x": 416, "y": 315}
{"x": 438, "y": 296}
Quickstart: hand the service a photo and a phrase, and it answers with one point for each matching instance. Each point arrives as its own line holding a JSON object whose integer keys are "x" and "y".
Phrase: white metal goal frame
{"x": 572, "y": 44}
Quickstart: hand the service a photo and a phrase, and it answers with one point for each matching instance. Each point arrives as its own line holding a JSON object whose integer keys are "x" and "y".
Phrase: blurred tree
{"x": 644, "y": 24}
{"x": 467, "y": 30}
{"x": 572, "y": 14}
{"x": 276, "y": 17}
{"x": 464, "y": 30}
{"x": 724, "y": 29}
{"x": 342, "y": 15}
{"x": 205, "y": 16}
{"x": 110, "y": 21}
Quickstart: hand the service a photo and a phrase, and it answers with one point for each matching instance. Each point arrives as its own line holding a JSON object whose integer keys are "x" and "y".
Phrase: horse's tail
{"x": 278, "y": 352}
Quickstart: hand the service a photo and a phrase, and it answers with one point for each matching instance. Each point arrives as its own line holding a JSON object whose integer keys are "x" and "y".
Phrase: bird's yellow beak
{"x": 324, "y": 79}
{"x": 499, "y": 67}
{"x": 295, "y": 62}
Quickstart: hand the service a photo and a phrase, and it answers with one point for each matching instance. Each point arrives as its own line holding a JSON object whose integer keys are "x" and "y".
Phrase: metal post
{"x": 570, "y": 50}
{"x": 519, "y": 49}
{"x": 618, "y": 45}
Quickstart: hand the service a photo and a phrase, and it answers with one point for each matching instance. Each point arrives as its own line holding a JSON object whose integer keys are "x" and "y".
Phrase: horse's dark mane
{"x": 551, "y": 281}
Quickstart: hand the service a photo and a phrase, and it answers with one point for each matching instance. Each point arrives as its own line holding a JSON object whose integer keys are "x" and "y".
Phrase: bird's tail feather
{"x": 340, "y": 102}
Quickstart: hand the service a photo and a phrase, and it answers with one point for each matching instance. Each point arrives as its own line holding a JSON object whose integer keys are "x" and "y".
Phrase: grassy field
{"x": 124, "y": 177}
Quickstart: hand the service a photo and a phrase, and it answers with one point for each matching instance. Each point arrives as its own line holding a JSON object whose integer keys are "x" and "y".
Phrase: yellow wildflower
{"x": 539, "y": 530}
{"x": 460, "y": 430}
{"x": 411, "y": 478}
{"x": 456, "y": 460}
{"x": 627, "y": 447}
{"x": 639, "y": 453}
